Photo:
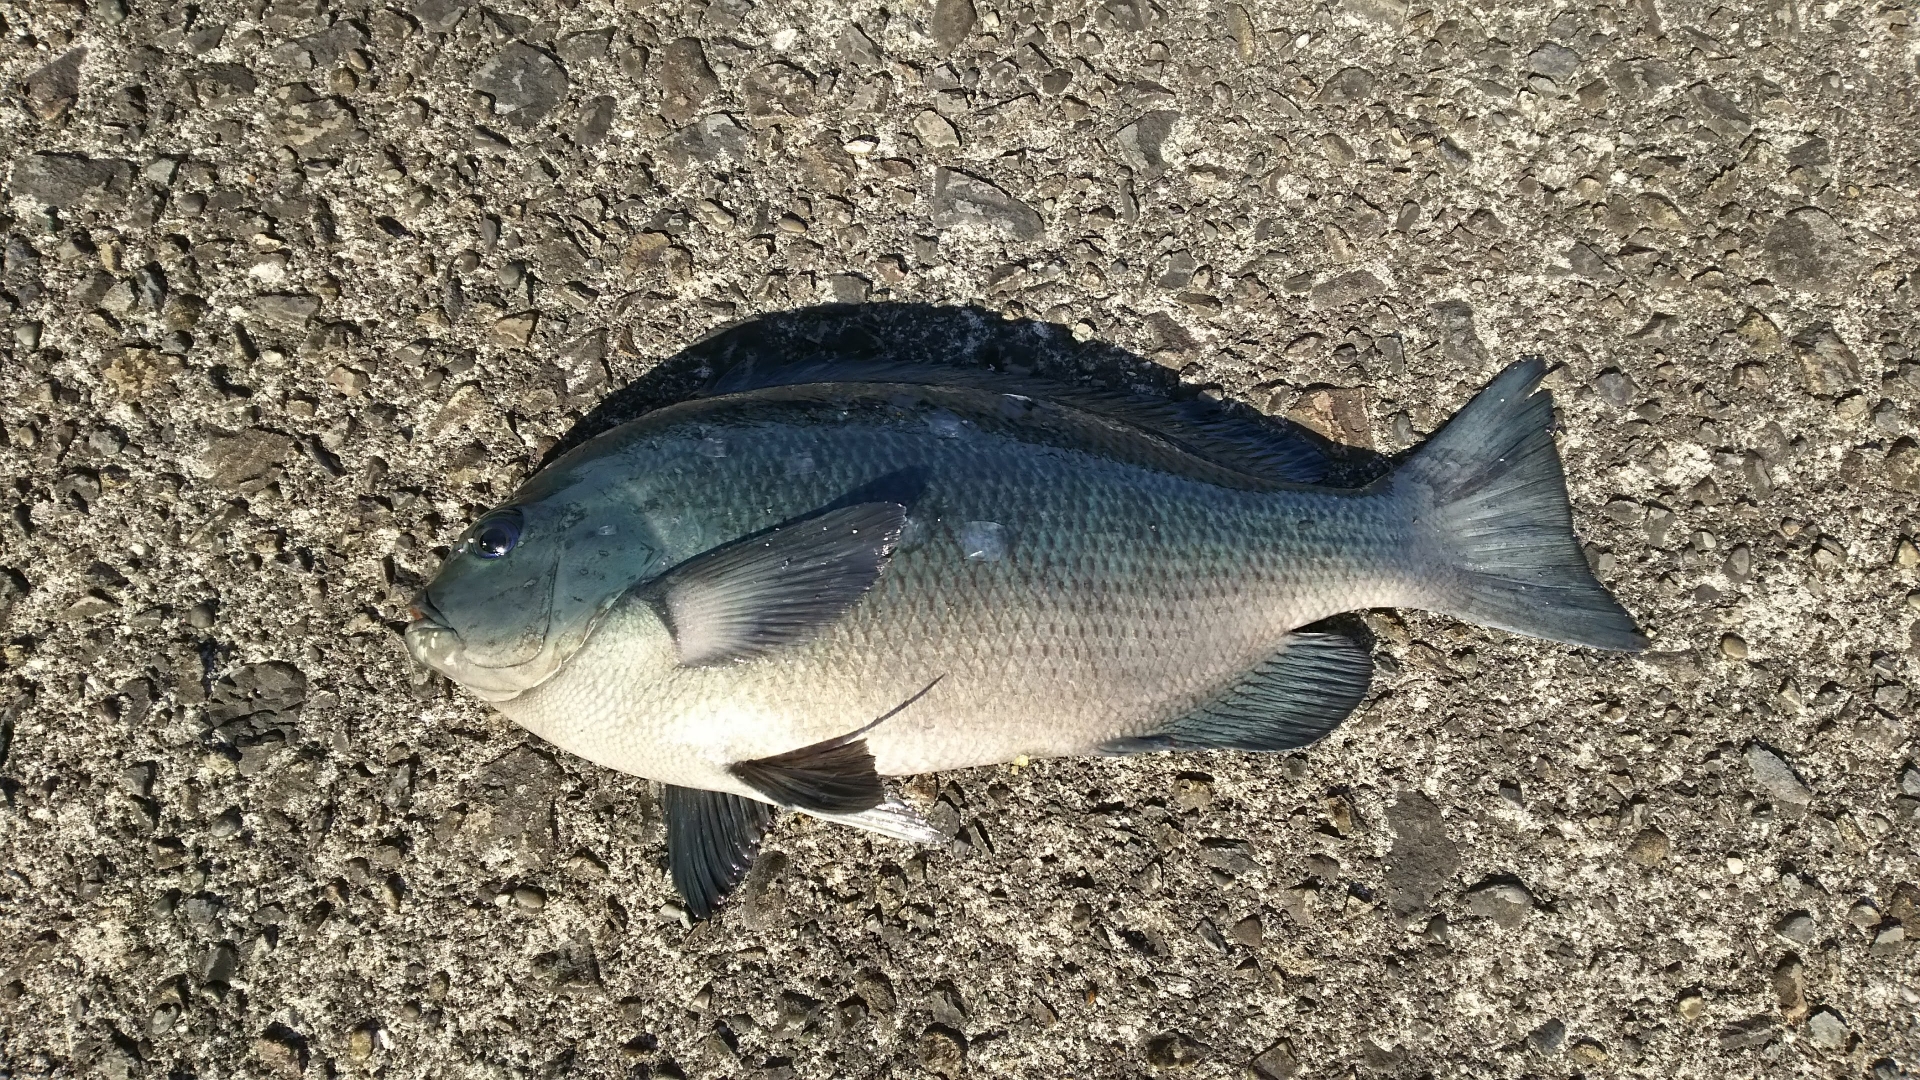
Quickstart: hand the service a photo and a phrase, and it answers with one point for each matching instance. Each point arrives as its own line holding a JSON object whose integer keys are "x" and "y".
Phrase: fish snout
{"x": 422, "y": 612}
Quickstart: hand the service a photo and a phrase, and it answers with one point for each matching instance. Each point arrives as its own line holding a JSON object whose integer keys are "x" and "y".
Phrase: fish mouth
{"x": 433, "y": 642}
{"x": 425, "y": 615}
{"x": 429, "y": 637}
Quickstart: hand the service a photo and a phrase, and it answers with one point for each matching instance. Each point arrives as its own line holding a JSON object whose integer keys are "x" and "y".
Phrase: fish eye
{"x": 496, "y": 534}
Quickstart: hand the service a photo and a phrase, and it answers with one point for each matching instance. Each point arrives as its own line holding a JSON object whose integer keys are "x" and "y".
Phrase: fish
{"x": 775, "y": 594}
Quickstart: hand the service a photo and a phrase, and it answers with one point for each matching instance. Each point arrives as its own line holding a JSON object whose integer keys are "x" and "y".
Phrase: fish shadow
{"x": 930, "y": 336}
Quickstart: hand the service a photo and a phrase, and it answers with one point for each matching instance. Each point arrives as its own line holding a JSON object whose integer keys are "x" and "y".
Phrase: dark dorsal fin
{"x": 712, "y": 839}
{"x": 776, "y": 587}
{"x": 1291, "y": 699}
{"x": 1220, "y": 433}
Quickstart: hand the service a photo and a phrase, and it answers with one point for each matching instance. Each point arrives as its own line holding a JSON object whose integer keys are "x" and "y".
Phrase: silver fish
{"x": 775, "y": 596}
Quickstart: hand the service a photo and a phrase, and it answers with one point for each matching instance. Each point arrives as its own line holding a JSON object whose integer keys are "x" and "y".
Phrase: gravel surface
{"x": 290, "y": 291}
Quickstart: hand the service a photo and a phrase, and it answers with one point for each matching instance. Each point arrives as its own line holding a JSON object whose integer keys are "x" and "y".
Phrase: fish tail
{"x": 1489, "y": 504}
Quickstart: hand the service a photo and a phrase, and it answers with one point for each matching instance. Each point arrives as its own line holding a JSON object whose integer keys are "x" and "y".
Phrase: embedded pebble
{"x": 1776, "y": 777}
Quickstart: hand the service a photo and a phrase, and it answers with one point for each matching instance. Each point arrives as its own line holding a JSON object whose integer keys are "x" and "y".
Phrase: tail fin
{"x": 1487, "y": 493}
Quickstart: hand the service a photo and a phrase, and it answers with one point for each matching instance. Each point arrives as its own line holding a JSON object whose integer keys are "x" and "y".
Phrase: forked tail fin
{"x": 1488, "y": 496}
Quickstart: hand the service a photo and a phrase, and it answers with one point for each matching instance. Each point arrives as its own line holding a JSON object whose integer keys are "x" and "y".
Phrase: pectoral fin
{"x": 831, "y": 777}
{"x": 1291, "y": 699}
{"x": 777, "y": 587}
{"x": 712, "y": 839}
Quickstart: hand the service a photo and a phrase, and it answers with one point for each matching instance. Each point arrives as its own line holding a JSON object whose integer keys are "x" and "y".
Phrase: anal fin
{"x": 1289, "y": 700}
{"x": 712, "y": 840}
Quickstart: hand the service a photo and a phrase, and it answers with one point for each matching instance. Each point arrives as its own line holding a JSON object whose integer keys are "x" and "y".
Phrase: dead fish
{"x": 776, "y": 595}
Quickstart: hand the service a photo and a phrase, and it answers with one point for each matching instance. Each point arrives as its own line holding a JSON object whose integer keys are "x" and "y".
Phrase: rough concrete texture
{"x": 294, "y": 289}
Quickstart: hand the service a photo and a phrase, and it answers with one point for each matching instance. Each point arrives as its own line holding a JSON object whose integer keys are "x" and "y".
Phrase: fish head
{"x": 523, "y": 587}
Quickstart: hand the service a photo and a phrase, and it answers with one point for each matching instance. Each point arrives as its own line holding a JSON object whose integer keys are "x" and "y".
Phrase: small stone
{"x": 1386, "y": 13}
{"x": 686, "y": 80}
{"x": 233, "y": 460}
{"x": 525, "y": 83}
{"x": 53, "y": 89}
{"x": 285, "y": 311}
{"x": 1346, "y": 289}
{"x": 94, "y": 603}
{"x": 1616, "y": 388}
{"x": 1338, "y": 414}
{"x": 1790, "y": 988}
{"x": 307, "y": 125}
{"x": 1506, "y": 903}
{"x": 1348, "y": 86}
{"x": 586, "y": 866}
{"x": 529, "y": 898}
{"x": 1828, "y": 367}
{"x": 586, "y": 45}
{"x": 1806, "y": 250}
{"x": 1906, "y": 555}
{"x": 1760, "y": 332}
{"x": 935, "y": 132}
{"x": 1903, "y": 466}
{"x": 360, "y": 1043}
{"x": 858, "y": 48}
{"x": 1649, "y": 847}
{"x": 1423, "y": 857}
{"x": 348, "y": 381}
{"x": 1588, "y": 1052}
{"x": 281, "y": 1051}
{"x": 13, "y": 586}
{"x": 1248, "y": 932}
{"x": 1277, "y": 1062}
{"x": 1776, "y": 777}
{"x": 1826, "y": 1030}
{"x": 1690, "y": 1006}
{"x": 1192, "y": 793}
{"x": 66, "y": 180}
{"x": 1750, "y": 1034}
{"x": 848, "y": 288}
{"x": 712, "y": 140}
{"x": 515, "y": 330}
{"x": 439, "y": 16}
{"x": 960, "y": 199}
{"x": 940, "y": 1051}
{"x": 1142, "y": 144}
{"x": 168, "y": 853}
{"x": 1863, "y": 915}
{"x": 1890, "y": 940}
{"x": 1733, "y": 647}
{"x": 1556, "y": 62}
{"x": 135, "y": 374}
{"x": 595, "y": 120}
{"x": 952, "y": 21}
{"x": 778, "y": 89}
{"x": 1172, "y": 1050}
{"x": 201, "y": 615}
{"x": 1548, "y": 1038}
{"x": 1797, "y": 929}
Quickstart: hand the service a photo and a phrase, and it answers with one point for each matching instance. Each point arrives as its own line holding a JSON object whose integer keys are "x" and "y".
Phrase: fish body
{"x": 777, "y": 595}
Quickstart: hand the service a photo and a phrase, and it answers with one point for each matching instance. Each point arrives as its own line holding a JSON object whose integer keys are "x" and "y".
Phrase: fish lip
{"x": 425, "y": 614}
